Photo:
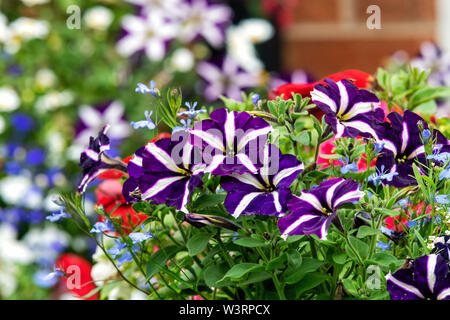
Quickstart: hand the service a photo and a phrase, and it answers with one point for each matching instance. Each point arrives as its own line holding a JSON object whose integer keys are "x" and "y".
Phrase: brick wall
{"x": 331, "y": 35}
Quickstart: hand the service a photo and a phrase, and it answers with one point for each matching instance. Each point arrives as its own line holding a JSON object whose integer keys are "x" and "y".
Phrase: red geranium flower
{"x": 79, "y": 280}
{"x": 109, "y": 194}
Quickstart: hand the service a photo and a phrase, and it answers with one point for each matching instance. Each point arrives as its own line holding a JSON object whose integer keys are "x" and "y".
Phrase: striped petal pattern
{"x": 427, "y": 278}
{"x": 313, "y": 211}
{"x": 348, "y": 110}
{"x": 164, "y": 172}
{"x": 266, "y": 191}
{"x": 403, "y": 147}
{"x": 230, "y": 140}
{"x": 95, "y": 161}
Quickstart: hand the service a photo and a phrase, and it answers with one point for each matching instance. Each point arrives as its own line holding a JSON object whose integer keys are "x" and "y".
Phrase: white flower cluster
{"x": 22, "y": 29}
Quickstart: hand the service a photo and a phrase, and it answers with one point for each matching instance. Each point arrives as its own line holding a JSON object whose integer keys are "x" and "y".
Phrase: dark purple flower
{"x": 265, "y": 192}
{"x": 166, "y": 171}
{"x": 94, "y": 160}
{"x": 231, "y": 141}
{"x": 442, "y": 247}
{"x": 425, "y": 278}
{"x": 348, "y": 110}
{"x": 403, "y": 147}
{"x": 313, "y": 211}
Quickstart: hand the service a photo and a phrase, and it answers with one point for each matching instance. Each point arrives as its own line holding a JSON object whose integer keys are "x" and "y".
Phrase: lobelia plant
{"x": 235, "y": 205}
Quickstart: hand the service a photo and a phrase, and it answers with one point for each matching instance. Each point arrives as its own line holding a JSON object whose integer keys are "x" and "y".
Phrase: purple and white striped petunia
{"x": 442, "y": 247}
{"x": 350, "y": 111}
{"x": 425, "y": 278}
{"x": 165, "y": 172}
{"x": 266, "y": 192}
{"x": 226, "y": 80}
{"x": 403, "y": 147}
{"x": 94, "y": 160}
{"x": 200, "y": 18}
{"x": 231, "y": 141}
{"x": 313, "y": 211}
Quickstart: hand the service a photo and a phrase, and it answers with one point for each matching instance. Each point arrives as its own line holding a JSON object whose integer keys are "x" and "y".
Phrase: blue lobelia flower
{"x": 117, "y": 249}
{"x": 142, "y": 88}
{"x": 426, "y": 135}
{"x": 265, "y": 192}
{"x": 100, "y": 227}
{"x": 58, "y": 216}
{"x": 35, "y": 157}
{"x": 313, "y": 211}
{"x": 443, "y": 157}
{"x": 425, "y": 278}
{"x": 378, "y": 147}
{"x": 348, "y": 167}
{"x": 255, "y": 99}
{"x": 350, "y": 111}
{"x": 165, "y": 171}
{"x": 185, "y": 125}
{"x": 127, "y": 255}
{"x": 233, "y": 139}
{"x": 384, "y": 246}
{"x": 21, "y": 122}
{"x": 380, "y": 175}
{"x": 138, "y": 237}
{"x": 445, "y": 174}
{"x": 191, "y": 112}
{"x": 403, "y": 147}
{"x": 94, "y": 160}
{"x": 442, "y": 199}
{"x": 145, "y": 123}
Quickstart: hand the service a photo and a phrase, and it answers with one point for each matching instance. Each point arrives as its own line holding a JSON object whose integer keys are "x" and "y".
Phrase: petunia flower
{"x": 313, "y": 211}
{"x": 231, "y": 140}
{"x": 200, "y": 18}
{"x": 166, "y": 171}
{"x": 403, "y": 147}
{"x": 145, "y": 123}
{"x": 265, "y": 192}
{"x": 226, "y": 80}
{"x": 348, "y": 110}
{"x": 425, "y": 278}
{"x": 202, "y": 220}
{"x": 442, "y": 247}
{"x": 95, "y": 161}
{"x": 149, "y": 33}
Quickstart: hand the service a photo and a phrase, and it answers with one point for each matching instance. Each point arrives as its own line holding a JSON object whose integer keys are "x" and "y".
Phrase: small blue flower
{"x": 142, "y": 88}
{"x": 191, "y": 113}
{"x": 378, "y": 147}
{"x": 348, "y": 167}
{"x": 442, "y": 199}
{"x": 426, "y": 134}
{"x": 438, "y": 156}
{"x": 445, "y": 174}
{"x": 379, "y": 175}
{"x": 21, "y": 122}
{"x": 403, "y": 202}
{"x": 255, "y": 99}
{"x": 386, "y": 231}
{"x": 127, "y": 256}
{"x": 35, "y": 157}
{"x": 100, "y": 227}
{"x": 145, "y": 123}
{"x": 117, "y": 250}
{"x": 138, "y": 237}
{"x": 186, "y": 124}
{"x": 384, "y": 246}
{"x": 57, "y": 216}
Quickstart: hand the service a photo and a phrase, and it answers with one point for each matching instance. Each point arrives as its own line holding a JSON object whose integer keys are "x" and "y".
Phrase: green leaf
{"x": 208, "y": 200}
{"x": 365, "y": 231}
{"x": 339, "y": 258}
{"x": 310, "y": 282}
{"x": 276, "y": 263}
{"x": 427, "y": 94}
{"x": 240, "y": 270}
{"x": 214, "y": 273}
{"x": 255, "y": 277}
{"x": 198, "y": 243}
{"x": 249, "y": 242}
{"x": 294, "y": 258}
{"x": 294, "y": 275}
{"x": 361, "y": 247}
{"x": 349, "y": 286}
{"x": 160, "y": 258}
{"x": 385, "y": 259}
